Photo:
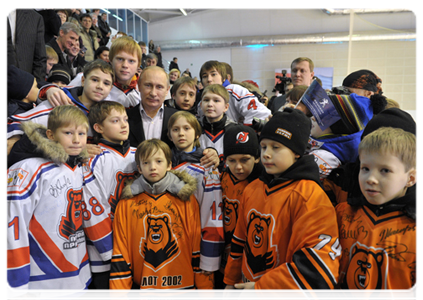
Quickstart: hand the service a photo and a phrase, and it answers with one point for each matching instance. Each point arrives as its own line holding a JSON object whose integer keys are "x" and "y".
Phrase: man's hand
{"x": 210, "y": 158}
{"x": 227, "y": 292}
{"x": 93, "y": 149}
{"x": 248, "y": 292}
{"x": 57, "y": 97}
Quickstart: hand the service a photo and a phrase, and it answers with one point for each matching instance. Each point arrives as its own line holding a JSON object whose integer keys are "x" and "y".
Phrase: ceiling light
{"x": 183, "y": 11}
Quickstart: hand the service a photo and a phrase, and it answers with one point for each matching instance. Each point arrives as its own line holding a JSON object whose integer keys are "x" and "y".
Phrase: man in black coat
{"x": 68, "y": 36}
{"x": 26, "y": 48}
{"x": 149, "y": 119}
{"x": 104, "y": 28}
{"x": 174, "y": 64}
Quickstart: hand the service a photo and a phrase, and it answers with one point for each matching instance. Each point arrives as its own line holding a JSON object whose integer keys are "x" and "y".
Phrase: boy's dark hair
{"x": 229, "y": 71}
{"x": 85, "y": 16}
{"x": 217, "y": 89}
{"x": 149, "y": 147}
{"x": 296, "y": 93}
{"x": 99, "y": 64}
{"x": 100, "y": 50}
{"x": 192, "y": 83}
{"x": 99, "y": 112}
{"x": 214, "y": 64}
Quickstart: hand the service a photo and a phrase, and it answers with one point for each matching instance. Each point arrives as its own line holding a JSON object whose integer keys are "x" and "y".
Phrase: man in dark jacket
{"x": 68, "y": 36}
{"x": 104, "y": 28}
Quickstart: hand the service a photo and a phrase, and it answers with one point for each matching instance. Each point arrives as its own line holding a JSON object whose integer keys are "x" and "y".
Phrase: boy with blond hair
{"x": 157, "y": 231}
{"x": 286, "y": 236}
{"x": 214, "y": 105}
{"x": 378, "y": 231}
{"x": 52, "y": 59}
{"x": 104, "y": 178}
{"x": 125, "y": 57}
{"x": 45, "y": 240}
{"x": 243, "y": 105}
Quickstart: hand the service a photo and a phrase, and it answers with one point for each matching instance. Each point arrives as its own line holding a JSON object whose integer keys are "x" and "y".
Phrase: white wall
{"x": 393, "y": 61}
{"x": 220, "y": 23}
{"x": 194, "y": 59}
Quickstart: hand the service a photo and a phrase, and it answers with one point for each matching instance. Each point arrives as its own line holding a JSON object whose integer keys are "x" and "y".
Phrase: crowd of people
{"x": 125, "y": 175}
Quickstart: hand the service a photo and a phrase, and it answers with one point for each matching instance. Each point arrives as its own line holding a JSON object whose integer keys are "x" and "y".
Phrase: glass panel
{"x": 145, "y": 32}
{"x": 130, "y": 23}
{"x": 138, "y": 32}
{"x": 122, "y": 20}
{"x": 113, "y": 19}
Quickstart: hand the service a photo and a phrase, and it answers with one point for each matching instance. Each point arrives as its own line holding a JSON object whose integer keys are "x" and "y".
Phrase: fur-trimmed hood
{"x": 178, "y": 183}
{"x": 35, "y": 143}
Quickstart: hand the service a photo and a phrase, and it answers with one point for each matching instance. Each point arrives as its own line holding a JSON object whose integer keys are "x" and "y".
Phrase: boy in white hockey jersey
{"x": 243, "y": 105}
{"x": 214, "y": 104}
{"x": 184, "y": 132}
{"x": 104, "y": 177}
{"x": 45, "y": 239}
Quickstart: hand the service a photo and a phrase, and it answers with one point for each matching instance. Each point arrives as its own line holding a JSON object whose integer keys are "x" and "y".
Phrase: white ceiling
{"x": 155, "y": 15}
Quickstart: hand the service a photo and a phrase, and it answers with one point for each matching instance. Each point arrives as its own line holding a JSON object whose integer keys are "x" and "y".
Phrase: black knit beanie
{"x": 19, "y": 83}
{"x": 240, "y": 139}
{"x": 290, "y": 127}
{"x": 391, "y": 117}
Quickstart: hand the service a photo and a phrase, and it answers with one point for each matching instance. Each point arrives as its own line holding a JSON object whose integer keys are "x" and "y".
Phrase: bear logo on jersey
{"x": 261, "y": 254}
{"x": 367, "y": 268}
{"x": 160, "y": 246}
{"x": 71, "y": 222}
{"x": 242, "y": 137}
{"x": 121, "y": 178}
{"x": 230, "y": 213}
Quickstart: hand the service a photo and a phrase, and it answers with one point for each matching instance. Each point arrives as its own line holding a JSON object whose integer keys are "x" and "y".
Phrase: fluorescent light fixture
{"x": 258, "y": 46}
{"x": 120, "y": 19}
{"x": 183, "y": 11}
{"x": 106, "y": 11}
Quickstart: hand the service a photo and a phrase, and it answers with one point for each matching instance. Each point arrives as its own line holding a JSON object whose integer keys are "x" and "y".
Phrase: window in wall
{"x": 138, "y": 32}
{"x": 113, "y": 18}
{"x": 145, "y": 32}
{"x": 130, "y": 23}
{"x": 122, "y": 20}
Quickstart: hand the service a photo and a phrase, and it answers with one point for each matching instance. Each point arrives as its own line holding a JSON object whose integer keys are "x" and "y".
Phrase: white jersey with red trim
{"x": 104, "y": 180}
{"x": 128, "y": 98}
{"x": 209, "y": 197}
{"x": 45, "y": 238}
{"x": 244, "y": 105}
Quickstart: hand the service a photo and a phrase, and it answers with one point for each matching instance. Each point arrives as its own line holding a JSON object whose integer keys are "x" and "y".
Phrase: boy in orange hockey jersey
{"x": 378, "y": 231}
{"x": 242, "y": 156}
{"x": 157, "y": 232}
{"x": 286, "y": 236}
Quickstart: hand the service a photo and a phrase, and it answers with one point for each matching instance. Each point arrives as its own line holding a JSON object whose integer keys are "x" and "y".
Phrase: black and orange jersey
{"x": 379, "y": 248}
{"x": 286, "y": 236}
{"x": 156, "y": 243}
{"x": 232, "y": 190}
